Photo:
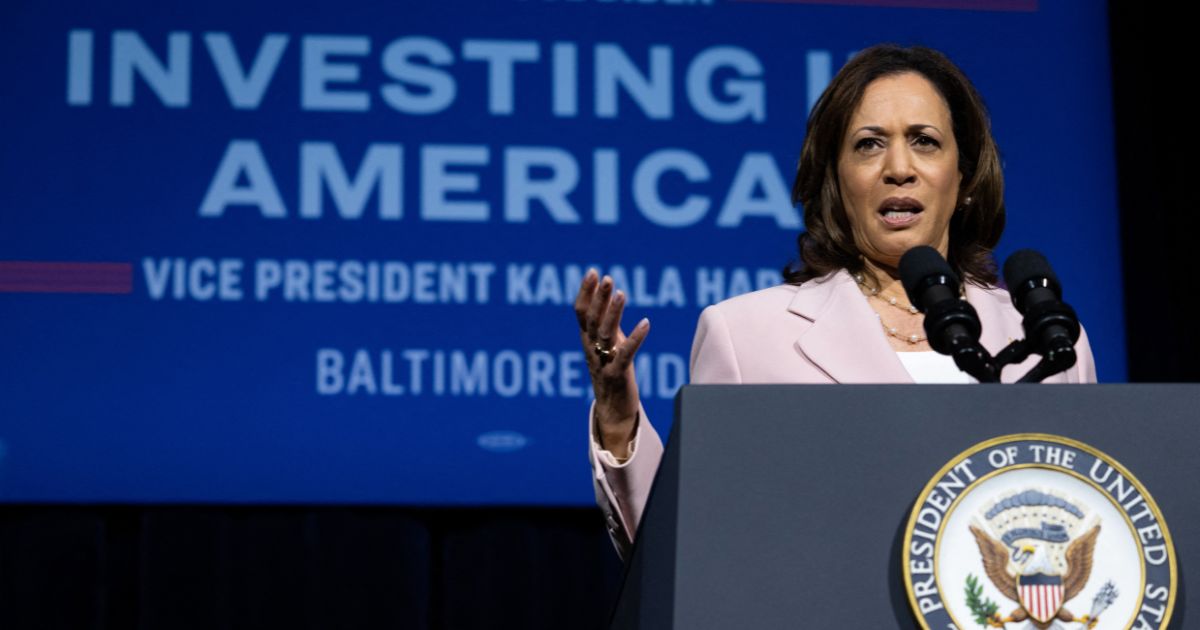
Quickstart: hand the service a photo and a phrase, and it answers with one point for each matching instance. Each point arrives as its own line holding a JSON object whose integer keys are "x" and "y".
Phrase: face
{"x": 898, "y": 169}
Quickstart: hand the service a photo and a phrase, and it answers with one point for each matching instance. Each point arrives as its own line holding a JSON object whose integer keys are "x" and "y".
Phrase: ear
{"x": 964, "y": 198}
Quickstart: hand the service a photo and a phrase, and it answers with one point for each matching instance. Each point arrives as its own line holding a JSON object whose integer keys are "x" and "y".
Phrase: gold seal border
{"x": 1045, "y": 437}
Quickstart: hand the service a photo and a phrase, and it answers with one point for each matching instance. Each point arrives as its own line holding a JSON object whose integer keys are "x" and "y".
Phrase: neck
{"x": 884, "y": 278}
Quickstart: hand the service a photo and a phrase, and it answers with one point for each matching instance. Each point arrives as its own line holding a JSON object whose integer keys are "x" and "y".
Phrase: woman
{"x": 898, "y": 153}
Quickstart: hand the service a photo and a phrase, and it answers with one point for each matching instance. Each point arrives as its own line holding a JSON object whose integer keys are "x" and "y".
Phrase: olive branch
{"x": 982, "y": 609}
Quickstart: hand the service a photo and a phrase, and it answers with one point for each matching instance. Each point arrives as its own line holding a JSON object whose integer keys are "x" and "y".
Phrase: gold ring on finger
{"x": 605, "y": 354}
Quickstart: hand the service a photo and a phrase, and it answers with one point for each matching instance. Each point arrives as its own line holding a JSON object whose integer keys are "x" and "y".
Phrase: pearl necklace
{"x": 890, "y": 330}
{"x": 874, "y": 292}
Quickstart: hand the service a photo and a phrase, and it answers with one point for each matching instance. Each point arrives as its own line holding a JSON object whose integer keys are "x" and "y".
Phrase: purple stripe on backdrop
{"x": 65, "y": 277}
{"x": 964, "y": 5}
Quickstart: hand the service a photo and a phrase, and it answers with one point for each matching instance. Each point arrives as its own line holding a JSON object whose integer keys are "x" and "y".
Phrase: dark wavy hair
{"x": 827, "y": 244}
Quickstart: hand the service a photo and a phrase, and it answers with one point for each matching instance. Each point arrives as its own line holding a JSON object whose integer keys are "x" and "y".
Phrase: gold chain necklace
{"x": 873, "y": 292}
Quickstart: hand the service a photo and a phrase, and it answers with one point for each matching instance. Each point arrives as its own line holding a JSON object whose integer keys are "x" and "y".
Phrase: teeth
{"x": 898, "y": 214}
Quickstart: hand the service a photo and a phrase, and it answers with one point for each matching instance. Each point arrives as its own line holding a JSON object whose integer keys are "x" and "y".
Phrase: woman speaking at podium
{"x": 898, "y": 153}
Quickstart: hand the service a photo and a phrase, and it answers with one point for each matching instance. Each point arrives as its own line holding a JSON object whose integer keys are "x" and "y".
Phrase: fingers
{"x": 599, "y": 314}
{"x": 610, "y": 324}
{"x": 630, "y": 346}
{"x": 598, "y": 307}
{"x": 584, "y": 298}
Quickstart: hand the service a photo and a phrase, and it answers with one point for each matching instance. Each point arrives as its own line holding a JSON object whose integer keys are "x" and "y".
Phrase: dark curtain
{"x": 1153, "y": 50}
{"x": 221, "y": 567}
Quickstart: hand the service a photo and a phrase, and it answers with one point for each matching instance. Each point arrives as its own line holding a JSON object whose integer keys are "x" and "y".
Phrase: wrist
{"x": 616, "y": 436}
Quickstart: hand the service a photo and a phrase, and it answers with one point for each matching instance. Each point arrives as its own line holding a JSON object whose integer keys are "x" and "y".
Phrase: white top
{"x": 931, "y": 367}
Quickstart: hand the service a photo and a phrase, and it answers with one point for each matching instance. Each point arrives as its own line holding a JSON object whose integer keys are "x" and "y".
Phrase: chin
{"x": 892, "y": 256}
{"x": 899, "y": 247}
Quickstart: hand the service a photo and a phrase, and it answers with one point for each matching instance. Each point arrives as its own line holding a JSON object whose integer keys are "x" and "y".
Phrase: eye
{"x": 867, "y": 143}
{"x": 926, "y": 141}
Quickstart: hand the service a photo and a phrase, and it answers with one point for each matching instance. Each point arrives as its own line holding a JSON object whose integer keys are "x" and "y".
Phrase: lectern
{"x": 784, "y": 506}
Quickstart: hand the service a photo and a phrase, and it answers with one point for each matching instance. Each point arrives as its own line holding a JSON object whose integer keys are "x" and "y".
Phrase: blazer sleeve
{"x": 714, "y": 360}
{"x": 622, "y": 489}
{"x": 1085, "y": 364}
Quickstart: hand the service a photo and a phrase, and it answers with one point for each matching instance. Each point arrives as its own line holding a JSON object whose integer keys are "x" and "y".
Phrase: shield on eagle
{"x": 1041, "y": 595}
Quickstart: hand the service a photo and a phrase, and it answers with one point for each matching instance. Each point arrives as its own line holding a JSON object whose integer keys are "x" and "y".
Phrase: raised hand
{"x": 610, "y": 360}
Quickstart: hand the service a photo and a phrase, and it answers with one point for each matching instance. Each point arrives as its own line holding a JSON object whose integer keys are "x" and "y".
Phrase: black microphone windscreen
{"x": 919, "y": 263}
{"x": 1025, "y": 265}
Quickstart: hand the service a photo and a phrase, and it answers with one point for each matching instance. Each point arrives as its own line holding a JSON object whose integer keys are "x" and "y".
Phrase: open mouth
{"x": 900, "y": 210}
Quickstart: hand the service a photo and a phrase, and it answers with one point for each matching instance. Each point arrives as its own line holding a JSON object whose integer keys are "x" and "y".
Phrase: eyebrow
{"x": 911, "y": 128}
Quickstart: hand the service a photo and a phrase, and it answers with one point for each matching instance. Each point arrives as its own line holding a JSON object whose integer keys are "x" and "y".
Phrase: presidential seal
{"x": 1038, "y": 532}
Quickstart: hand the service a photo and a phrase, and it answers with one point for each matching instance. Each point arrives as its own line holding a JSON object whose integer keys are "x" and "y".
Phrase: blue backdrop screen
{"x": 306, "y": 252}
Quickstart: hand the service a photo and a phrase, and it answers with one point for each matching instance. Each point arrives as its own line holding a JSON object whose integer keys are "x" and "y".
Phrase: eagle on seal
{"x": 1037, "y": 586}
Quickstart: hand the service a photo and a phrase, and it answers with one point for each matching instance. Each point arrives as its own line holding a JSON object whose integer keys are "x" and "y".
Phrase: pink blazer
{"x": 823, "y": 331}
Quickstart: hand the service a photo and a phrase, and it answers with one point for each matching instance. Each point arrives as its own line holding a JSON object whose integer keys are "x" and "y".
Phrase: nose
{"x": 898, "y": 166}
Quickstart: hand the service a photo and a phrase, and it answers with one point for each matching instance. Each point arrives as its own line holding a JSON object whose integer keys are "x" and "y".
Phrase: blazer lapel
{"x": 845, "y": 340}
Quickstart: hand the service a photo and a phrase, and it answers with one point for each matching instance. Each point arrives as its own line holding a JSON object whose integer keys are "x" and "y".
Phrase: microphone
{"x": 1051, "y": 326}
{"x": 951, "y": 323}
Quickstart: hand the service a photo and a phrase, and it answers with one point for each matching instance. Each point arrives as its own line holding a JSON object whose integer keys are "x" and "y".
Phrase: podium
{"x": 785, "y": 506}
